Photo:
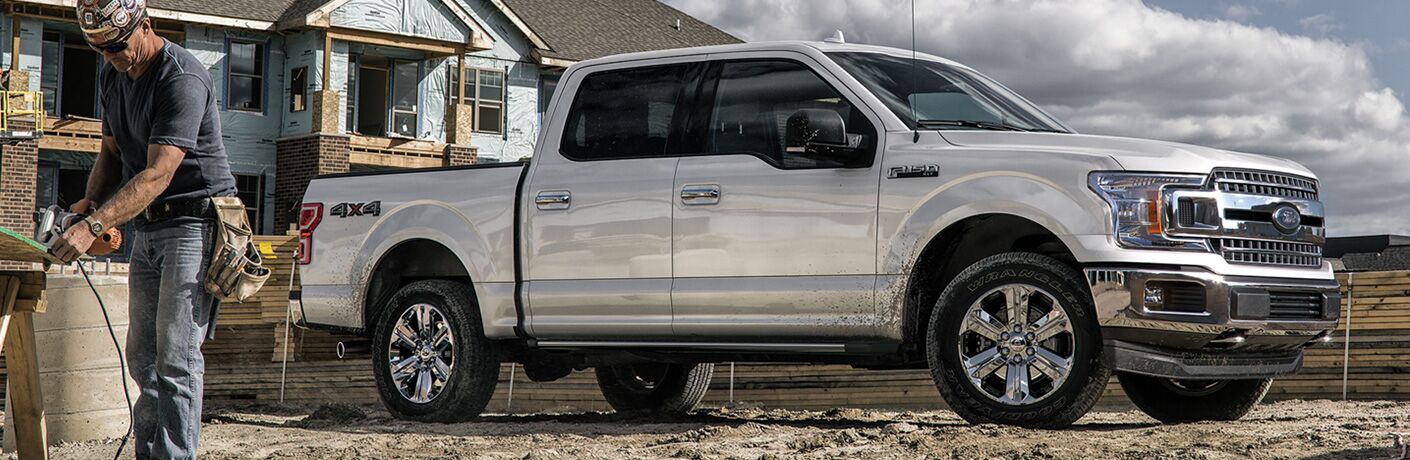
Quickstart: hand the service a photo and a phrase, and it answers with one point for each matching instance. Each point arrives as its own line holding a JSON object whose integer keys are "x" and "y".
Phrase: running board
{"x": 698, "y": 346}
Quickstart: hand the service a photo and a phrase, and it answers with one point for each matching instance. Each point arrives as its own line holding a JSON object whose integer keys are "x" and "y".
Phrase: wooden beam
{"x": 394, "y": 161}
{"x": 73, "y": 144}
{"x": 327, "y": 61}
{"x": 26, "y": 397}
{"x": 15, "y": 46}
{"x": 22, "y": 367}
{"x": 409, "y": 146}
{"x": 435, "y": 47}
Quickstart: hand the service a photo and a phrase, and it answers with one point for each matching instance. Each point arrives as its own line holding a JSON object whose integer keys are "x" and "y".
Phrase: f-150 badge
{"x": 370, "y": 208}
{"x": 908, "y": 171}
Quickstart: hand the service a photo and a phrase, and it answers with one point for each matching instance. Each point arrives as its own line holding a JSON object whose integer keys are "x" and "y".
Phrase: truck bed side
{"x": 464, "y": 213}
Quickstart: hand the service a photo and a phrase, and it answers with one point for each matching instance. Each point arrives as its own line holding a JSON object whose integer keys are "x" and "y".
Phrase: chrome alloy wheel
{"x": 421, "y": 353}
{"x": 1016, "y": 344}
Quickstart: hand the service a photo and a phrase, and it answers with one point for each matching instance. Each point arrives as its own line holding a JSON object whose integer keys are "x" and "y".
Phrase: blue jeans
{"x": 169, "y": 313}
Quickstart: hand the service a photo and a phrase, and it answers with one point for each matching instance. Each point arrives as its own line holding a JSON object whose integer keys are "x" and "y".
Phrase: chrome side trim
{"x": 700, "y": 346}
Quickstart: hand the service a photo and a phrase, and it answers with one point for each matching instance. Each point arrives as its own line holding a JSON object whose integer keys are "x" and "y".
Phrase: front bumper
{"x": 1201, "y": 365}
{"x": 1227, "y": 326}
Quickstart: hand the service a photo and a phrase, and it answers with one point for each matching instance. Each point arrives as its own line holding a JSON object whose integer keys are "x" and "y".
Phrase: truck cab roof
{"x": 787, "y": 45}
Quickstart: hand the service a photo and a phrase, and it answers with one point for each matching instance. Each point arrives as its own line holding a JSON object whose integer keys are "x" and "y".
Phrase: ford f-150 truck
{"x": 825, "y": 203}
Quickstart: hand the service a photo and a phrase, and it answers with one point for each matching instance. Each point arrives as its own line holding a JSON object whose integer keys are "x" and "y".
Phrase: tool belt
{"x": 200, "y": 207}
{"x": 236, "y": 271}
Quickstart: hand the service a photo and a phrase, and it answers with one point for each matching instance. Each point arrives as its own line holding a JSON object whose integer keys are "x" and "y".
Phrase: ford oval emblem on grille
{"x": 1286, "y": 218}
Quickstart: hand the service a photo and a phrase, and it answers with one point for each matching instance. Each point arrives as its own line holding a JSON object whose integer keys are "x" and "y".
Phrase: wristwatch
{"x": 94, "y": 226}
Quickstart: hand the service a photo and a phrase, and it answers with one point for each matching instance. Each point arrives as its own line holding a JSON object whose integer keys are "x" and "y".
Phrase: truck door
{"x": 773, "y": 240}
{"x": 597, "y": 218}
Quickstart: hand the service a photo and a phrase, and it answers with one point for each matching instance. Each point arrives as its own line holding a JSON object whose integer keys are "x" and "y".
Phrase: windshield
{"x": 937, "y": 94}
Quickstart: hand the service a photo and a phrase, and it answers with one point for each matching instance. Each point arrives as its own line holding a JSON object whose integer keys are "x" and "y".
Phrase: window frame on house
{"x": 60, "y": 86}
{"x": 465, "y": 95}
{"x": 253, "y": 207}
{"x": 392, "y": 110}
{"x": 298, "y": 93}
{"x": 262, "y": 62}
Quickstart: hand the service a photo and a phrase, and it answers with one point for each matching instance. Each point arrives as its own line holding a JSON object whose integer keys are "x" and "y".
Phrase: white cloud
{"x": 1320, "y": 25}
{"x": 1241, "y": 12}
{"x": 1120, "y": 67}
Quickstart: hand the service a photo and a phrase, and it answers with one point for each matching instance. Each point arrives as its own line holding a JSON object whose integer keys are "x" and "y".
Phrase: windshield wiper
{"x": 970, "y": 124}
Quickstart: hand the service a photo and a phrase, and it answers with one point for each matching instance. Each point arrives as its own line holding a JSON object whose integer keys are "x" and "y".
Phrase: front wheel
{"x": 1183, "y": 401}
{"x": 430, "y": 356}
{"x": 1014, "y": 340}
{"x": 657, "y": 388}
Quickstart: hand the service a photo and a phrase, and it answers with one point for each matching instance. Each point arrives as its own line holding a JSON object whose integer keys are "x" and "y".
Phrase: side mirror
{"x": 811, "y": 128}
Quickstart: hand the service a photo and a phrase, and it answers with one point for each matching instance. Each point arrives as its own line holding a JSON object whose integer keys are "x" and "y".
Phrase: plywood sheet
{"x": 17, "y": 247}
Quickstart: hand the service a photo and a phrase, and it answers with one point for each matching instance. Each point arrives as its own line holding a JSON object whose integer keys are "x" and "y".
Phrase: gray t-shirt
{"x": 172, "y": 103}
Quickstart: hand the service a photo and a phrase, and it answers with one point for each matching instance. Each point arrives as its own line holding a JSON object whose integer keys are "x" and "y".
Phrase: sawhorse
{"x": 21, "y": 296}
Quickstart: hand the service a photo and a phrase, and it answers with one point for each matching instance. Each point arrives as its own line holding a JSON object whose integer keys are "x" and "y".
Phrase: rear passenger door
{"x": 597, "y": 227}
{"x": 771, "y": 243}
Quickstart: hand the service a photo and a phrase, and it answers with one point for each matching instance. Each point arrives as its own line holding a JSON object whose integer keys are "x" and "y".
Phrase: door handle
{"x": 554, "y": 200}
{"x": 700, "y": 194}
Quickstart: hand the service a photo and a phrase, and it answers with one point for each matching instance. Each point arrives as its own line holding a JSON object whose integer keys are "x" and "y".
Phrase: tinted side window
{"x": 623, "y": 114}
{"x": 753, "y": 101}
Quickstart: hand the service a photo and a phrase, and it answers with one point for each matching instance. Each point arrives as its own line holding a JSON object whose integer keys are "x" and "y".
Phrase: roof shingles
{"x": 585, "y": 29}
{"x": 258, "y": 10}
{"x": 573, "y": 29}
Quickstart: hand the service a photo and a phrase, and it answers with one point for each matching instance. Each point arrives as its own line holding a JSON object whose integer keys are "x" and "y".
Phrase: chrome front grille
{"x": 1248, "y": 234}
{"x": 1266, "y": 252}
{"x": 1265, "y": 183}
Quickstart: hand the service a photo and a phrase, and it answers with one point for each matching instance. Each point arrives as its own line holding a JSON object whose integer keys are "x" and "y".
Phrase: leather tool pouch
{"x": 237, "y": 271}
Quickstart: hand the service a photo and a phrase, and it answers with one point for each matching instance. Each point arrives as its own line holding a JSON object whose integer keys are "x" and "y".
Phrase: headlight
{"x": 1140, "y": 210}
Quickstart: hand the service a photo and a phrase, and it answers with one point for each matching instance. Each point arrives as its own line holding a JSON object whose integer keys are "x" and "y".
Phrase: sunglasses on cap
{"x": 112, "y": 47}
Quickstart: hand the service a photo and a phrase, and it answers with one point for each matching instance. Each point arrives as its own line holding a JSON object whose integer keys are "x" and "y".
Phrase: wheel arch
{"x": 960, "y": 245}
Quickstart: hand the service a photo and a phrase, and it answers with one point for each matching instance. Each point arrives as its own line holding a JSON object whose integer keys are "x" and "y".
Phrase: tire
{"x": 471, "y": 360}
{"x": 1177, "y": 401}
{"x": 655, "y": 388}
{"x": 1058, "y": 295}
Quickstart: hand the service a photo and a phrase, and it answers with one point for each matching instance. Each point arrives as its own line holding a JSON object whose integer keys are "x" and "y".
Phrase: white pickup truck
{"x": 825, "y": 203}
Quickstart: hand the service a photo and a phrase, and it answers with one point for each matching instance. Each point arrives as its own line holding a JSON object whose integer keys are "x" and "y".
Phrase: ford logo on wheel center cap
{"x": 1286, "y": 218}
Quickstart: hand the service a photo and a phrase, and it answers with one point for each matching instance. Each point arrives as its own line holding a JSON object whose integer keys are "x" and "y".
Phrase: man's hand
{"x": 82, "y": 207}
{"x": 74, "y": 243}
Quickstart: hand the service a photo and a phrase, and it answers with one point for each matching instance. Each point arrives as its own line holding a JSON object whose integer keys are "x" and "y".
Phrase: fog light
{"x": 1155, "y": 297}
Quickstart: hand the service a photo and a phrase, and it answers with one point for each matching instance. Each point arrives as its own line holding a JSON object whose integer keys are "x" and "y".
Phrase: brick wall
{"x": 297, "y": 161}
{"x": 19, "y": 171}
{"x": 460, "y": 155}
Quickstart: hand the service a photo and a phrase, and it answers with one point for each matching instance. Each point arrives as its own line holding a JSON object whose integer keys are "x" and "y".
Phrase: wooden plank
{"x": 26, "y": 398}
{"x": 432, "y": 46}
{"x": 19, "y": 248}
{"x": 395, "y": 161}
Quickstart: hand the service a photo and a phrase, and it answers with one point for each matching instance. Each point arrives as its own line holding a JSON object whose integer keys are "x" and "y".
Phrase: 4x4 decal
{"x": 372, "y": 208}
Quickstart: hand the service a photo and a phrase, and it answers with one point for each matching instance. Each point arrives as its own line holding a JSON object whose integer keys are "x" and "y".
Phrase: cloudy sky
{"x": 1321, "y": 82}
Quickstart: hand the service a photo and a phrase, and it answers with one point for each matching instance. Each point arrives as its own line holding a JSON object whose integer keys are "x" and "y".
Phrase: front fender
{"x": 1065, "y": 209}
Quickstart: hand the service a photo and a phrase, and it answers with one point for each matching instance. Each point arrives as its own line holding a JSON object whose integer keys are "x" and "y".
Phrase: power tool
{"x": 52, "y": 222}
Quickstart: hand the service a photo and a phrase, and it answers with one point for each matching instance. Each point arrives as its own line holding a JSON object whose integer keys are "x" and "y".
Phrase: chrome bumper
{"x": 1232, "y": 305}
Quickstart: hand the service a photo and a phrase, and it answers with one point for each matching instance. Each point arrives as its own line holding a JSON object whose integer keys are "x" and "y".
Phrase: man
{"x": 161, "y": 160}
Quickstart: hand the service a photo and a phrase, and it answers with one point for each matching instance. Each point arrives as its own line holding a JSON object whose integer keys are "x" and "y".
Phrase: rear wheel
{"x": 430, "y": 357}
{"x": 658, "y": 388}
{"x": 1013, "y": 340}
{"x": 1181, "y": 401}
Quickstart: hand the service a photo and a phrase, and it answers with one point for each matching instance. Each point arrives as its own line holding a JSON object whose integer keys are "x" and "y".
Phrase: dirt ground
{"x": 1289, "y": 429}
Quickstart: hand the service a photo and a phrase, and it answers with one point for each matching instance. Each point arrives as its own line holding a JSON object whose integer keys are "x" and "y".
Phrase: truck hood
{"x": 1133, "y": 154}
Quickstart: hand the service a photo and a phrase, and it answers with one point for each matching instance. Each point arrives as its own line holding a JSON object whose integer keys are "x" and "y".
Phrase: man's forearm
{"x": 132, "y": 198}
{"x": 103, "y": 181}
